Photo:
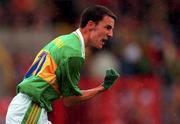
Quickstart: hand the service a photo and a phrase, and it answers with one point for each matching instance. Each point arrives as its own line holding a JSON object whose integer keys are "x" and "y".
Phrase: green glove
{"x": 111, "y": 76}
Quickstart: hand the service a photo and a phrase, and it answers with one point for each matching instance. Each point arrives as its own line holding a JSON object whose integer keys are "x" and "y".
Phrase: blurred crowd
{"x": 146, "y": 41}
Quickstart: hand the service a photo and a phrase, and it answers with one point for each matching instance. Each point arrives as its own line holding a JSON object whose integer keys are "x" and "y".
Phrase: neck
{"x": 85, "y": 34}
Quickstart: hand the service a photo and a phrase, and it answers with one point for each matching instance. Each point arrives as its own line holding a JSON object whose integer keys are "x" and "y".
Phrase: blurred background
{"x": 145, "y": 50}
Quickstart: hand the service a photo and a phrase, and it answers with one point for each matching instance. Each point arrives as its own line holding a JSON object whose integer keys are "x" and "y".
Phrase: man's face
{"x": 101, "y": 32}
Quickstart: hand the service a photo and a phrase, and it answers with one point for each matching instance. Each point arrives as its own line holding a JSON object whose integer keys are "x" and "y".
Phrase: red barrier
{"x": 132, "y": 100}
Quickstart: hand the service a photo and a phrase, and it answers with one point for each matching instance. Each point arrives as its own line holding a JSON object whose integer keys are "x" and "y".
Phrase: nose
{"x": 110, "y": 33}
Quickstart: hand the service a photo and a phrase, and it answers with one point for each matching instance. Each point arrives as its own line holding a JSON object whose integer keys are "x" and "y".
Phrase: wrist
{"x": 105, "y": 86}
{"x": 102, "y": 87}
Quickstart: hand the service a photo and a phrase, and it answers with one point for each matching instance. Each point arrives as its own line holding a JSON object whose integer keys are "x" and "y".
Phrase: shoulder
{"x": 70, "y": 40}
{"x": 65, "y": 46}
{"x": 69, "y": 51}
{"x": 71, "y": 45}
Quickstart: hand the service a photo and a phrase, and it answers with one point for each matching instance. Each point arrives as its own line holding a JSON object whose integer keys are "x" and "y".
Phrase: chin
{"x": 100, "y": 47}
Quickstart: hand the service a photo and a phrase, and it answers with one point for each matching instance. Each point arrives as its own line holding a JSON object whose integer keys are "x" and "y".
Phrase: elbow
{"x": 72, "y": 100}
{"x": 68, "y": 103}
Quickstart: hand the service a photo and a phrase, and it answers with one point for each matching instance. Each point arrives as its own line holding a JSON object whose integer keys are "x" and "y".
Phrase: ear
{"x": 91, "y": 25}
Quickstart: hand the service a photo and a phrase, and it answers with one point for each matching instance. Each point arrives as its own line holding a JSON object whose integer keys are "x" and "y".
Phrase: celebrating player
{"x": 55, "y": 71}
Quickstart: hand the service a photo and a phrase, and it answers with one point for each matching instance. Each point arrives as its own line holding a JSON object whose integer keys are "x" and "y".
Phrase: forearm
{"x": 86, "y": 95}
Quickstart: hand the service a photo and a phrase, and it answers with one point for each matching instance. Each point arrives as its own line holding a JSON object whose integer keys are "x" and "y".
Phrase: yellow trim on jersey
{"x": 58, "y": 42}
{"x": 47, "y": 72}
{"x": 46, "y": 69}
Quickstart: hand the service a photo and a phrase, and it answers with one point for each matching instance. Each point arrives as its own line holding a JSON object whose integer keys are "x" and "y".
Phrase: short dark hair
{"x": 96, "y": 14}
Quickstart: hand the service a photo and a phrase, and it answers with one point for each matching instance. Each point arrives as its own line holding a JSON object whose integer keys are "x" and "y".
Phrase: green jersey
{"x": 55, "y": 71}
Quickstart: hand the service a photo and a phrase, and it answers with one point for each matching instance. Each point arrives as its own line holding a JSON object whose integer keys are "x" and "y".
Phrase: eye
{"x": 108, "y": 27}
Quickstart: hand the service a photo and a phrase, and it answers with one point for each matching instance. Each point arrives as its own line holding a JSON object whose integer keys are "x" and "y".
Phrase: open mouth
{"x": 104, "y": 41}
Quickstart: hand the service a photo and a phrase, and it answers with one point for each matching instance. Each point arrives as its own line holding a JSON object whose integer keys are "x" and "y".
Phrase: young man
{"x": 55, "y": 71}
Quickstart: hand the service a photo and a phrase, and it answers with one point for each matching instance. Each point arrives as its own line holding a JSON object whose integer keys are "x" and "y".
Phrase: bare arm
{"x": 86, "y": 95}
{"x": 111, "y": 76}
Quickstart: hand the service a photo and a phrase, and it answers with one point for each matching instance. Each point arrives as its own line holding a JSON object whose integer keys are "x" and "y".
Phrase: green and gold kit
{"x": 55, "y": 71}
